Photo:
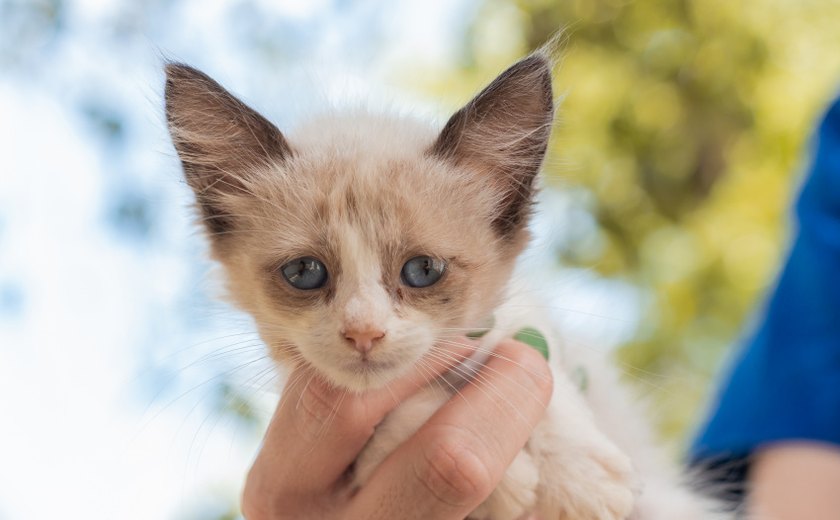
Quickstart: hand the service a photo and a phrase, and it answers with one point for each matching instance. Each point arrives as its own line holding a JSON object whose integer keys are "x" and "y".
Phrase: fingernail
{"x": 490, "y": 322}
{"x": 533, "y": 337}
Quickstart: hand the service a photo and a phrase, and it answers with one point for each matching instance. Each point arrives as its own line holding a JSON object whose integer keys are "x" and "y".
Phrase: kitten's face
{"x": 361, "y": 241}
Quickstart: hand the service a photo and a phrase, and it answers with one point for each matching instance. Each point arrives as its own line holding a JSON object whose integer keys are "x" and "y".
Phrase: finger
{"x": 459, "y": 456}
{"x": 318, "y": 430}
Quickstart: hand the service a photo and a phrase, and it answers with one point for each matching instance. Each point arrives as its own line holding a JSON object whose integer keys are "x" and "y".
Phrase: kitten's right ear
{"x": 220, "y": 140}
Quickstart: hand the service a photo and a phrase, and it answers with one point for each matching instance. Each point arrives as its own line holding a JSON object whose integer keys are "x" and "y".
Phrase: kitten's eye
{"x": 422, "y": 271}
{"x": 305, "y": 273}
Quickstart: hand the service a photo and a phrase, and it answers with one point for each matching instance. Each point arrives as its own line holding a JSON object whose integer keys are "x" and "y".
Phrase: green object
{"x": 477, "y": 333}
{"x": 534, "y": 338}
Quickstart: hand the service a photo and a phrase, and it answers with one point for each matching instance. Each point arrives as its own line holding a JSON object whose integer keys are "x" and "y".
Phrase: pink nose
{"x": 364, "y": 338}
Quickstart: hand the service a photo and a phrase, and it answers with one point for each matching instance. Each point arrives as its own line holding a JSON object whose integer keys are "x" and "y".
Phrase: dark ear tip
{"x": 538, "y": 64}
{"x": 178, "y": 72}
{"x": 175, "y": 72}
{"x": 175, "y": 68}
{"x": 532, "y": 71}
{"x": 536, "y": 70}
{"x": 538, "y": 61}
{"x": 182, "y": 79}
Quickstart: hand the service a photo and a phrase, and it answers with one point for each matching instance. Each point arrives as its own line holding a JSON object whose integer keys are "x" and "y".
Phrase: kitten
{"x": 361, "y": 240}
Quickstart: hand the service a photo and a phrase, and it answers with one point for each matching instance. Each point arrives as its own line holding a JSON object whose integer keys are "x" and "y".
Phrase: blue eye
{"x": 422, "y": 271}
{"x": 305, "y": 273}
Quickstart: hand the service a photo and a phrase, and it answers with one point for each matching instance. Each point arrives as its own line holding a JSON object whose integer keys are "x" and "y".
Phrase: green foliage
{"x": 682, "y": 130}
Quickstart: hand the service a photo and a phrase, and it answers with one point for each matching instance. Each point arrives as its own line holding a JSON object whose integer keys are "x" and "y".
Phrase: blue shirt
{"x": 785, "y": 384}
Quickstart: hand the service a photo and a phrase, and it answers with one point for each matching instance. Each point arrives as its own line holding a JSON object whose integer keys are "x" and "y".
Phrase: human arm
{"x": 794, "y": 480}
{"x": 781, "y": 402}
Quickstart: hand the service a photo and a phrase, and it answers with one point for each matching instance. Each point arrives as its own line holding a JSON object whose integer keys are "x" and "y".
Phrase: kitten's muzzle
{"x": 363, "y": 339}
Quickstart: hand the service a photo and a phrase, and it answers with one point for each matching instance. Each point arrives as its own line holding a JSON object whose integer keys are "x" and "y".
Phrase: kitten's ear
{"x": 220, "y": 140}
{"x": 502, "y": 134}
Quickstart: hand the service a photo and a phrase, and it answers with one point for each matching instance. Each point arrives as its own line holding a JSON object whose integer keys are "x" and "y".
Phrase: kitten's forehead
{"x": 375, "y": 174}
{"x": 358, "y": 253}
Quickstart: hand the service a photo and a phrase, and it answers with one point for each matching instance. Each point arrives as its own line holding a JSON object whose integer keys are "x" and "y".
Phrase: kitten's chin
{"x": 361, "y": 376}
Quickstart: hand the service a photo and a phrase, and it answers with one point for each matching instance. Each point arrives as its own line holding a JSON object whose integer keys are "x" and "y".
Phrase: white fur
{"x": 591, "y": 458}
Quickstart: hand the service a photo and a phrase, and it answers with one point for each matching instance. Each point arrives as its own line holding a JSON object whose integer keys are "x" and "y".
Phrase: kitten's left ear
{"x": 502, "y": 134}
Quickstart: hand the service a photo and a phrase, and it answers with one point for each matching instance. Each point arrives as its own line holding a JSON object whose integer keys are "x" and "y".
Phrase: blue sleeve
{"x": 785, "y": 384}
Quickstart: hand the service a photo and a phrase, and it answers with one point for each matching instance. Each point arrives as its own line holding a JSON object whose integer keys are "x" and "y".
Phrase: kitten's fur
{"x": 364, "y": 193}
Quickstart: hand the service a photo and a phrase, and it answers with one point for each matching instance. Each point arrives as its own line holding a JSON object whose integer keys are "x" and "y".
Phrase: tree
{"x": 681, "y": 132}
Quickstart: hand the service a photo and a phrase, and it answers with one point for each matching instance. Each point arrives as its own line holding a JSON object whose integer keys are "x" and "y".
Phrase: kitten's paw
{"x": 515, "y": 495}
{"x": 605, "y": 486}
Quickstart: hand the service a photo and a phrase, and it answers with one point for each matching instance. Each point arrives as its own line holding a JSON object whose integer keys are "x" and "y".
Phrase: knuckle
{"x": 454, "y": 474}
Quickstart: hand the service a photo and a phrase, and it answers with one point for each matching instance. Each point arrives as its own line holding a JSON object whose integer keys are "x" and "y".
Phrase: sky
{"x": 118, "y": 365}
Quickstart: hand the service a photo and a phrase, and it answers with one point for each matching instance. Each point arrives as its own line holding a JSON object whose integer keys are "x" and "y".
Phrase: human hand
{"x": 444, "y": 471}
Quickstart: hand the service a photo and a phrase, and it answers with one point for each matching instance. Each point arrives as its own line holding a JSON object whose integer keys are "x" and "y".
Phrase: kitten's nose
{"x": 363, "y": 338}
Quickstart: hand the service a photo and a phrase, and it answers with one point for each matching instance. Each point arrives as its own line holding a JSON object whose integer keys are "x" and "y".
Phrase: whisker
{"x": 485, "y": 386}
{"x": 194, "y": 388}
{"x": 491, "y": 352}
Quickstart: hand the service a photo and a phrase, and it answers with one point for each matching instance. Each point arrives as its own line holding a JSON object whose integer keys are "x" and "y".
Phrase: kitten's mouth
{"x": 367, "y": 365}
{"x": 369, "y": 373}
